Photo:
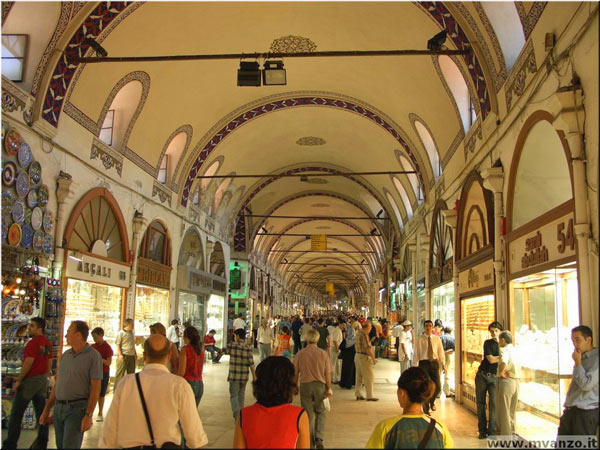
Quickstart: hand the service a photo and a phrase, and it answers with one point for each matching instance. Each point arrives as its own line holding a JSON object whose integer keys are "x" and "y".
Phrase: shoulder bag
{"x": 428, "y": 434}
{"x": 152, "y": 444}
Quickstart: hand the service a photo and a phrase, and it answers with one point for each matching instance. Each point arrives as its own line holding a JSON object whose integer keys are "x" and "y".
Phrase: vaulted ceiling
{"x": 335, "y": 115}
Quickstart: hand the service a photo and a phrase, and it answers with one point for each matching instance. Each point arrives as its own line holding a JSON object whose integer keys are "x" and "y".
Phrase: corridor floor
{"x": 349, "y": 424}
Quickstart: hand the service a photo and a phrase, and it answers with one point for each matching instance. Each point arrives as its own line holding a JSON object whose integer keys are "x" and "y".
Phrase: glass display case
{"x": 443, "y": 308}
{"x": 476, "y": 315}
{"x": 421, "y": 307}
{"x": 215, "y": 315}
{"x": 151, "y": 306}
{"x": 545, "y": 307}
{"x": 191, "y": 309}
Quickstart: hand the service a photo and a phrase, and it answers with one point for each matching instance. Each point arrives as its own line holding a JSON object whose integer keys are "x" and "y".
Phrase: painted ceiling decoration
{"x": 293, "y": 44}
{"x": 311, "y": 141}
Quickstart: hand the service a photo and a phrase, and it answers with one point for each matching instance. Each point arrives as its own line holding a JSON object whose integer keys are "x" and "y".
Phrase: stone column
{"x": 139, "y": 224}
{"x": 63, "y": 189}
{"x": 572, "y": 114}
{"x": 451, "y": 220}
{"x": 210, "y": 246}
{"x": 493, "y": 179}
{"x": 424, "y": 250}
{"x": 412, "y": 248}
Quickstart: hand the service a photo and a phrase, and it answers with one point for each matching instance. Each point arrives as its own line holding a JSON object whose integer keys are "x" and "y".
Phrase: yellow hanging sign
{"x": 318, "y": 242}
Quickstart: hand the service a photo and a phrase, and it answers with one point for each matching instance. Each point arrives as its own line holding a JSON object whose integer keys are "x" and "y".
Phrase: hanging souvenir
{"x": 32, "y": 199}
{"x": 27, "y": 236}
{"x": 35, "y": 173}
{"x": 24, "y": 155}
{"x": 14, "y": 234}
{"x": 9, "y": 173}
{"x": 48, "y": 221}
{"x": 23, "y": 184}
{"x": 36, "y": 218}
{"x": 43, "y": 195}
{"x": 12, "y": 142}
{"x": 18, "y": 212}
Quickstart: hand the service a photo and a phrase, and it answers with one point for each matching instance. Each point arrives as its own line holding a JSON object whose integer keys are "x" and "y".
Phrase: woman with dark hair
{"x": 273, "y": 422}
{"x": 191, "y": 361}
{"x": 414, "y": 428}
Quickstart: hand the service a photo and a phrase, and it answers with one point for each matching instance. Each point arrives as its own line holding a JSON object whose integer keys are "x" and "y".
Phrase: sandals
{"x": 372, "y": 399}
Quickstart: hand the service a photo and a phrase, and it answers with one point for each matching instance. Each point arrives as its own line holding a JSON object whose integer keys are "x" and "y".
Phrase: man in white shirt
{"x": 405, "y": 347}
{"x": 173, "y": 332}
{"x": 169, "y": 399}
{"x": 429, "y": 356}
{"x": 265, "y": 340}
{"x": 239, "y": 323}
{"x": 507, "y": 391}
{"x": 335, "y": 339}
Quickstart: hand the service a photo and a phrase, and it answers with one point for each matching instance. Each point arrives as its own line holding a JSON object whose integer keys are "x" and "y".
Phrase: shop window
{"x": 14, "y": 53}
{"x": 395, "y": 208}
{"x": 507, "y": 26}
{"x": 106, "y": 132}
{"x": 151, "y": 306}
{"x": 412, "y": 177}
{"x": 476, "y": 314}
{"x": 404, "y": 195}
{"x": 430, "y": 148}
{"x": 156, "y": 245}
{"x": 126, "y": 101}
{"x": 212, "y": 170}
{"x": 220, "y": 193}
{"x": 458, "y": 86}
{"x": 163, "y": 170}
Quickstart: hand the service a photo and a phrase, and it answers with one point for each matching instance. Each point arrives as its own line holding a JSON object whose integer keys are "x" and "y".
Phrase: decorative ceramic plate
{"x": 9, "y": 173}
{"x": 32, "y": 199}
{"x": 25, "y": 156}
{"x": 14, "y": 234}
{"x": 12, "y": 142}
{"x": 8, "y": 199}
{"x": 38, "y": 240}
{"x": 48, "y": 243}
{"x": 48, "y": 222}
{"x": 43, "y": 195}
{"x": 27, "y": 237}
{"x": 36, "y": 218}
{"x": 28, "y": 213}
{"x": 18, "y": 212}
{"x": 35, "y": 172}
{"x": 22, "y": 184}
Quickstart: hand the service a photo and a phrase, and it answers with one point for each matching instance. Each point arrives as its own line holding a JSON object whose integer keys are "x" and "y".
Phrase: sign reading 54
{"x": 565, "y": 237}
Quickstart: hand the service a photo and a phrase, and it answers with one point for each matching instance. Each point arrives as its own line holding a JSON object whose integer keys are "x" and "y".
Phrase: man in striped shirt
{"x": 240, "y": 360}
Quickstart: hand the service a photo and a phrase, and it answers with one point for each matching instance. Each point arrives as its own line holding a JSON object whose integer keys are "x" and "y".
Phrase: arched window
{"x": 459, "y": 89}
{"x": 432, "y": 151}
{"x": 395, "y": 207}
{"x": 156, "y": 244}
{"x": 507, "y": 26}
{"x": 191, "y": 253}
{"x": 404, "y": 195}
{"x": 220, "y": 192}
{"x": 172, "y": 154}
{"x": 120, "y": 113}
{"x": 412, "y": 177}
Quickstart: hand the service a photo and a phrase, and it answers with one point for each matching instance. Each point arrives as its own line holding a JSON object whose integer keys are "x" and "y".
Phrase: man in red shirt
{"x": 209, "y": 346}
{"x": 106, "y": 352}
{"x": 31, "y": 384}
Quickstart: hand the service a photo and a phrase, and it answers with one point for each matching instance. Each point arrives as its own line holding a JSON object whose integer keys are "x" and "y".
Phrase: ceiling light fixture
{"x": 100, "y": 51}
{"x": 248, "y": 74}
{"x": 274, "y": 74}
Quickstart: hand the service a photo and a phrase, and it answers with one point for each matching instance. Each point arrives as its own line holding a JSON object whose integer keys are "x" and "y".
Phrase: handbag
{"x": 152, "y": 444}
{"x": 427, "y": 434}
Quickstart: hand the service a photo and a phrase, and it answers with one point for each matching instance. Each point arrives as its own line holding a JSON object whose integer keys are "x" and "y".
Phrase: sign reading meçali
{"x": 98, "y": 271}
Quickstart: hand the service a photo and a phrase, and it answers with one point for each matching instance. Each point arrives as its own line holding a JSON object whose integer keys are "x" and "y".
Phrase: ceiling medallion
{"x": 320, "y": 205}
{"x": 323, "y": 227}
{"x": 311, "y": 140}
{"x": 293, "y": 44}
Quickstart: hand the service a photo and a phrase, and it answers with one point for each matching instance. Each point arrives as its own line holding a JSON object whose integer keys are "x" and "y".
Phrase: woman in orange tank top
{"x": 273, "y": 422}
{"x": 283, "y": 343}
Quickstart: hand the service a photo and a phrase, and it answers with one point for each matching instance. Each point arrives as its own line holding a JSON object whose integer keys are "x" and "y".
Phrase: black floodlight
{"x": 100, "y": 51}
{"x": 437, "y": 42}
{"x": 274, "y": 74}
{"x": 248, "y": 74}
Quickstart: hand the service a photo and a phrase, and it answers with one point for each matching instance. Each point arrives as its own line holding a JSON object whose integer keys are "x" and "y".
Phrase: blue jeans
{"x": 198, "y": 389}
{"x": 67, "y": 424}
{"x": 237, "y": 390}
{"x": 32, "y": 389}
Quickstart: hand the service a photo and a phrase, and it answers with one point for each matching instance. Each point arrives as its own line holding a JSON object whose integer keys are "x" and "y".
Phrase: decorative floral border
{"x": 109, "y": 157}
{"x": 470, "y": 140}
{"x": 517, "y": 81}
{"x": 164, "y": 194}
{"x": 6, "y": 6}
{"x": 530, "y": 20}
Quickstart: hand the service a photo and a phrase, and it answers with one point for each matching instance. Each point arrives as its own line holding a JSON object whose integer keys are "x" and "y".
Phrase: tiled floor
{"x": 349, "y": 424}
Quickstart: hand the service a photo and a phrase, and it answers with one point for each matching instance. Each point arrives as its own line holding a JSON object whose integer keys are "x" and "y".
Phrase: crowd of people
{"x": 159, "y": 405}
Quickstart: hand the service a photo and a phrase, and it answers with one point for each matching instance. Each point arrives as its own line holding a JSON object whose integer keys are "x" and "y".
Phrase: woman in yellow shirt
{"x": 410, "y": 429}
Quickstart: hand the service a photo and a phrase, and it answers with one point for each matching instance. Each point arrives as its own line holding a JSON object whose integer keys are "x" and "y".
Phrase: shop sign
{"x": 153, "y": 274}
{"x": 318, "y": 242}
{"x": 476, "y": 277}
{"x": 219, "y": 286}
{"x": 98, "y": 270}
{"x": 194, "y": 280}
{"x": 552, "y": 242}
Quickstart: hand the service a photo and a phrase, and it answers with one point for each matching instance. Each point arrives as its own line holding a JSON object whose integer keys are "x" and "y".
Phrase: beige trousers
{"x": 507, "y": 397}
{"x": 336, "y": 365}
{"x": 364, "y": 375}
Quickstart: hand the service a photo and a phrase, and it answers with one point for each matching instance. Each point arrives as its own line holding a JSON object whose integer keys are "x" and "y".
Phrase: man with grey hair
{"x": 265, "y": 340}
{"x": 507, "y": 394}
{"x": 169, "y": 400}
{"x": 313, "y": 370}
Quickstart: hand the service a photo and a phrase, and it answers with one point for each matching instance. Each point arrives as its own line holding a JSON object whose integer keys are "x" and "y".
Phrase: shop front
{"x": 543, "y": 272}
{"x": 96, "y": 273}
{"x": 440, "y": 279}
{"x": 474, "y": 254}
{"x": 153, "y": 280}
{"x": 215, "y": 311}
{"x": 194, "y": 287}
